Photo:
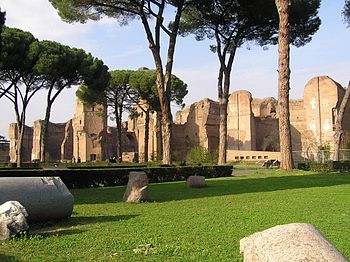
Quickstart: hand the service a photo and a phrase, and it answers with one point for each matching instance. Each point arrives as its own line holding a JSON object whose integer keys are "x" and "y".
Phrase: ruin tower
{"x": 322, "y": 98}
{"x": 240, "y": 122}
{"x": 89, "y": 130}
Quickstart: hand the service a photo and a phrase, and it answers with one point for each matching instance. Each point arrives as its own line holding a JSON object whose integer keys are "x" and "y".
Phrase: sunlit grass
{"x": 185, "y": 224}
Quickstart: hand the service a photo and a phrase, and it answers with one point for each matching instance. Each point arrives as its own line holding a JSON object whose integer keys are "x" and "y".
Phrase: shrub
{"x": 198, "y": 155}
{"x": 328, "y": 166}
{"x": 80, "y": 178}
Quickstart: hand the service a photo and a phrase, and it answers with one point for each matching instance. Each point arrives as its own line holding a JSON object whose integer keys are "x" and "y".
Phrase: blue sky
{"x": 126, "y": 48}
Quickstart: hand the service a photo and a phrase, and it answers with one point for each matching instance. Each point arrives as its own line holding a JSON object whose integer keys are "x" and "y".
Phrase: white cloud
{"x": 41, "y": 19}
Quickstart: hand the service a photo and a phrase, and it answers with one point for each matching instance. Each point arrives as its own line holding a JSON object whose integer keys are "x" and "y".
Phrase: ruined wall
{"x": 56, "y": 134}
{"x": 196, "y": 125}
{"x": 4, "y": 152}
{"x": 138, "y": 125}
{"x": 27, "y": 143}
{"x": 241, "y": 133}
{"x": 89, "y": 128}
{"x": 321, "y": 96}
{"x": 267, "y": 137}
{"x": 298, "y": 124}
{"x": 266, "y": 107}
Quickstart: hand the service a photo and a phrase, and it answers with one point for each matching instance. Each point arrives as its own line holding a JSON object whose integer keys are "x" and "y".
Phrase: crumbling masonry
{"x": 252, "y": 127}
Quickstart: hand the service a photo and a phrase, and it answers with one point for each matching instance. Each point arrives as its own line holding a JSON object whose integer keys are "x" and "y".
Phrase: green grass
{"x": 247, "y": 165}
{"x": 190, "y": 224}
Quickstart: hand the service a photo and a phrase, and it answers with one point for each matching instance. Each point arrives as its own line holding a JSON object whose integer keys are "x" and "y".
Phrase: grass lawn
{"x": 190, "y": 224}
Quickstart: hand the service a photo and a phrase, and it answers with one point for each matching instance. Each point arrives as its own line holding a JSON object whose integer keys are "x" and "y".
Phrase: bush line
{"x": 83, "y": 178}
{"x": 329, "y": 166}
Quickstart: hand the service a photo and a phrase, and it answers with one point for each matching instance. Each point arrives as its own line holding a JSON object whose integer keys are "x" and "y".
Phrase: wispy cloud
{"x": 131, "y": 52}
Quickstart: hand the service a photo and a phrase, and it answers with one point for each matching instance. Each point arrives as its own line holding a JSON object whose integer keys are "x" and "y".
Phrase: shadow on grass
{"x": 5, "y": 258}
{"x": 164, "y": 192}
{"x": 64, "y": 227}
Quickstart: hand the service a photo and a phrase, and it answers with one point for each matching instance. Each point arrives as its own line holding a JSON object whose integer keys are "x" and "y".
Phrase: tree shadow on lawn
{"x": 64, "y": 227}
{"x": 6, "y": 258}
{"x": 163, "y": 192}
{"x": 222, "y": 187}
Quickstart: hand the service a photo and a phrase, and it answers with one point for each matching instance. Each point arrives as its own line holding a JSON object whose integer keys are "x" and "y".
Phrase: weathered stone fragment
{"x": 292, "y": 243}
{"x": 195, "y": 181}
{"x": 44, "y": 198}
{"x": 12, "y": 219}
{"x": 136, "y": 190}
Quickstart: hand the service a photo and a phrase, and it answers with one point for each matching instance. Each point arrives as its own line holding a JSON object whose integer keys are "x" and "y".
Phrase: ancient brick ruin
{"x": 252, "y": 127}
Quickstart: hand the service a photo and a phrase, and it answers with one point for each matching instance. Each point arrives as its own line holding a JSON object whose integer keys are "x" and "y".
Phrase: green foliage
{"x": 182, "y": 224}
{"x": 2, "y": 22}
{"x": 2, "y": 19}
{"x": 199, "y": 155}
{"x": 325, "y": 147}
{"x": 238, "y": 22}
{"x": 346, "y": 12}
{"x": 17, "y": 53}
{"x": 143, "y": 82}
{"x": 328, "y": 166}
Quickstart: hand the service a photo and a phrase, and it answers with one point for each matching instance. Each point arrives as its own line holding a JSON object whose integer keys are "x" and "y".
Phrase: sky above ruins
{"x": 125, "y": 47}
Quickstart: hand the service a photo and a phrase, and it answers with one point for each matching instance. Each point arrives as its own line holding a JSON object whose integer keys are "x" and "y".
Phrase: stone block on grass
{"x": 137, "y": 188}
{"x": 44, "y": 198}
{"x": 289, "y": 243}
{"x": 12, "y": 219}
{"x": 195, "y": 181}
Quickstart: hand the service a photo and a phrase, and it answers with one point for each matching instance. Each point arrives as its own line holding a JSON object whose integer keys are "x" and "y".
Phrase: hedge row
{"x": 78, "y": 166}
{"x": 329, "y": 166}
{"x": 82, "y": 178}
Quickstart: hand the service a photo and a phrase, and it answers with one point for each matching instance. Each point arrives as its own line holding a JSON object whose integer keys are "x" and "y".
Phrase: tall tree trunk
{"x": 338, "y": 132}
{"x": 44, "y": 130}
{"x": 223, "y": 131}
{"x": 44, "y": 133}
{"x": 146, "y": 136}
{"x": 163, "y": 80}
{"x": 118, "y": 119}
{"x": 224, "y": 76}
{"x": 20, "y": 137}
{"x": 283, "y": 7}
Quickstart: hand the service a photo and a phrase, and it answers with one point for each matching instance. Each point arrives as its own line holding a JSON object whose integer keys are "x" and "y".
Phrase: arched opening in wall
{"x": 131, "y": 144}
{"x": 270, "y": 144}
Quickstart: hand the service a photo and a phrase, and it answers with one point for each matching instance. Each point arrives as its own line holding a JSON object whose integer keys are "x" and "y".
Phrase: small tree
{"x": 117, "y": 98}
{"x": 19, "y": 82}
{"x": 63, "y": 67}
{"x": 144, "y": 87}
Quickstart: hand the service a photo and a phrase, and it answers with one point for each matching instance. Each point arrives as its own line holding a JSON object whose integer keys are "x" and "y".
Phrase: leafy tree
{"x": 63, "y": 67}
{"x": 19, "y": 82}
{"x": 115, "y": 97}
{"x": 118, "y": 98}
{"x": 235, "y": 22}
{"x": 77, "y": 10}
{"x": 143, "y": 83}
